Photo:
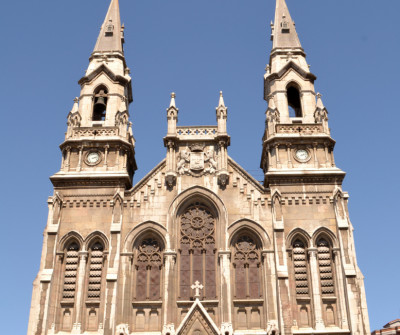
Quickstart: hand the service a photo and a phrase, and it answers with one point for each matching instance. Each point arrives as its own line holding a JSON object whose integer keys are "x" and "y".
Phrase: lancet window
{"x": 148, "y": 266}
{"x": 325, "y": 265}
{"x": 294, "y": 101}
{"x": 300, "y": 265}
{"x": 197, "y": 251}
{"x": 247, "y": 266}
{"x": 70, "y": 271}
{"x": 96, "y": 262}
{"x": 100, "y": 104}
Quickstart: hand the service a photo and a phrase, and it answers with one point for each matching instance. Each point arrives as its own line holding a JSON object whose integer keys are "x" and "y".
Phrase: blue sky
{"x": 196, "y": 49}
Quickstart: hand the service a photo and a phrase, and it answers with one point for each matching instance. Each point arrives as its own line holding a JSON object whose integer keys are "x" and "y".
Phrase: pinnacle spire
{"x": 111, "y": 33}
{"x": 320, "y": 104}
{"x": 221, "y": 100}
{"x": 172, "y": 103}
{"x": 284, "y": 33}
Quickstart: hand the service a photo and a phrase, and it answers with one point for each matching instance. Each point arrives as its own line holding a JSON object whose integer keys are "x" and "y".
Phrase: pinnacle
{"x": 221, "y": 100}
{"x": 172, "y": 103}
{"x": 284, "y": 30}
{"x": 320, "y": 104}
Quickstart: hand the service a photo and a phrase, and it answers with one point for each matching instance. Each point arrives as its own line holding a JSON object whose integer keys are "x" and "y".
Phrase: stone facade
{"x": 198, "y": 246}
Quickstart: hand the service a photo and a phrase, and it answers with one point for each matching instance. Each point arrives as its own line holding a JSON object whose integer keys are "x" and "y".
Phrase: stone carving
{"x": 197, "y": 287}
{"x": 246, "y": 250}
{"x": 194, "y": 162}
{"x": 197, "y": 227}
{"x": 226, "y": 328}
{"x": 149, "y": 252}
{"x": 168, "y": 329}
{"x": 122, "y": 329}
{"x": 272, "y": 328}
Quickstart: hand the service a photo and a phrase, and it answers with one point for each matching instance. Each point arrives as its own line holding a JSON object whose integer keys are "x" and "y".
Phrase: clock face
{"x": 93, "y": 157}
{"x": 302, "y": 154}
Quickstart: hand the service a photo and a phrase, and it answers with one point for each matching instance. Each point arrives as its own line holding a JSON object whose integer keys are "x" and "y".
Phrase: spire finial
{"x": 111, "y": 32}
{"x": 284, "y": 30}
{"x": 172, "y": 103}
{"x": 75, "y": 107}
{"x": 221, "y": 100}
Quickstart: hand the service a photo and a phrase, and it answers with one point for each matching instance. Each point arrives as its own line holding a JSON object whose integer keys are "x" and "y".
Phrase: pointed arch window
{"x": 300, "y": 265}
{"x": 247, "y": 266}
{"x": 197, "y": 251}
{"x": 294, "y": 101}
{"x": 100, "y": 104}
{"x": 70, "y": 271}
{"x": 325, "y": 266}
{"x": 148, "y": 265}
{"x": 96, "y": 261}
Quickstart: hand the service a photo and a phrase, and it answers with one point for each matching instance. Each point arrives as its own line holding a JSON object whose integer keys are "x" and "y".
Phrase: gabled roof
{"x": 286, "y": 68}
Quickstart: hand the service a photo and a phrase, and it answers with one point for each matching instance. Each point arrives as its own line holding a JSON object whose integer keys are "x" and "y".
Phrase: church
{"x": 198, "y": 246}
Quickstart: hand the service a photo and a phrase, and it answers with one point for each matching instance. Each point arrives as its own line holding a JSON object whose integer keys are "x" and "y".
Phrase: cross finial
{"x": 197, "y": 287}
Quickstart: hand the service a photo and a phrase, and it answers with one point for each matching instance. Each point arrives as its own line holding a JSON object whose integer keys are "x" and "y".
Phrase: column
{"x": 80, "y": 294}
{"x": 106, "y": 147}
{"x": 341, "y": 300}
{"x": 316, "y": 296}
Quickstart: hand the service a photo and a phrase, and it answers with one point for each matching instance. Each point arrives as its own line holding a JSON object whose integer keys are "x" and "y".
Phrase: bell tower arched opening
{"x": 294, "y": 101}
{"x": 100, "y": 104}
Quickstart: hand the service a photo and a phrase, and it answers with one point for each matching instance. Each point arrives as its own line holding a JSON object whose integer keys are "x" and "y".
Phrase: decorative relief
{"x": 150, "y": 252}
{"x": 91, "y": 132}
{"x": 325, "y": 267}
{"x": 246, "y": 250}
{"x": 196, "y": 131}
{"x": 194, "y": 162}
{"x": 304, "y": 129}
{"x": 197, "y": 227}
{"x": 70, "y": 272}
{"x": 300, "y": 268}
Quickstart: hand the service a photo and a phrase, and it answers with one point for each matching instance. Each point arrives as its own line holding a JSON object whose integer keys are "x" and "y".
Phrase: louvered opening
{"x": 70, "y": 272}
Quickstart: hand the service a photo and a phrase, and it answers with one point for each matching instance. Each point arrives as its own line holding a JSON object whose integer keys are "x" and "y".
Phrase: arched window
{"x": 95, "y": 262}
{"x": 294, "y": 102}
{"x": 70, "y": 271}
{"x": 100, "y": 104}
{"x": 325, "y": 267}
{"x": 300, "y": 265}
{"x": 197, "y": 251}
{"x": 302, "y": 282}
{"x": 148, "y": 269}
{"x": 246, "y": 262}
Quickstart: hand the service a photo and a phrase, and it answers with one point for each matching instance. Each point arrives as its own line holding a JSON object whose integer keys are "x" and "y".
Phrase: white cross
{"x": 197, "y": 286}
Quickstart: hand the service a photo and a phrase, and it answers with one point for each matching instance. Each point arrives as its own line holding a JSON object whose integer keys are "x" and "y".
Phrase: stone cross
{"x": 197, "y": 286}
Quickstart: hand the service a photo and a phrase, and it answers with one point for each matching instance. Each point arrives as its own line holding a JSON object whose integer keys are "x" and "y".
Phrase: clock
{"x": 93, "y": 158}
{"x": 302, "y": 155}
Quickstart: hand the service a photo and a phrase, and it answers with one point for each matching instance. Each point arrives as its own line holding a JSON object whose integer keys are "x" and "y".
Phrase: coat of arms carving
{"x": 193, "y": 161}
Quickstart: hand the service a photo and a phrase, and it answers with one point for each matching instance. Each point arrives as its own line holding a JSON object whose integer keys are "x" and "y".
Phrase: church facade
{"x": 198, "y": 246}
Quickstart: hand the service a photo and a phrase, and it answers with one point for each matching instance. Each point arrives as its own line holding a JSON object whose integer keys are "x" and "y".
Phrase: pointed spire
{"x": 221, "y": 100}
{"x": 320, "y": 104}
{"x": 284, "y": 33}
{"x": 111, "y": 32}
{"x": 75, "y": 107}
{"x": 172, "y": 103}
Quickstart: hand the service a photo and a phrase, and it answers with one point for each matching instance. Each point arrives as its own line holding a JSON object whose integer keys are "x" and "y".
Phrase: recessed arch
{"x": 146, "y": 227}
{"x": 68, "y": 238}
{"x": 251, "y": 226}
{"x": 326, "y": 233}
{"x": 293, "y": 92}
{"x": 298, "y": 233}
{"x": 94, "y": 237}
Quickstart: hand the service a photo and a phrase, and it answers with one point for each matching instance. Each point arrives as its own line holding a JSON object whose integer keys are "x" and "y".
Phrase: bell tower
{"x": 297, "y": 139}
{"x": 99, "y": 147}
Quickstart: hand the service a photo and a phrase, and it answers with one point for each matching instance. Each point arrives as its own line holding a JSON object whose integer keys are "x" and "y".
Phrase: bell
{"x": 100, "y": 101}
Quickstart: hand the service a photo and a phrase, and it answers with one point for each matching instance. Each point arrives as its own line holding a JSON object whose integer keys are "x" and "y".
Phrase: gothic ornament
{"x": 196, "y": 163}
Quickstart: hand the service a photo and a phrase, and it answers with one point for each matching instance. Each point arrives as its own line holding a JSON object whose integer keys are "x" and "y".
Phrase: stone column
{"x": 80, "y": 294}
{"x": 341, "y": 300}
{"x": 170, "y": 291}
{"x": 106, "y": 147}
{"x": 226, "y": 294}
{"x": 316, "y": 295}
{"x": 78, "y": 168}
{"x": 315, "y": 155}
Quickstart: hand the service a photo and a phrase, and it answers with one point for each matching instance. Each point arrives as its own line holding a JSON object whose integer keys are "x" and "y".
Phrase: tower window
{"x": 100, "y": 105}
{"x": 294, "y": 102}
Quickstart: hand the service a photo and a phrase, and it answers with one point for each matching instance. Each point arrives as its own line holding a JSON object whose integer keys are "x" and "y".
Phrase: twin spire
{"x": 111, "y": 37}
